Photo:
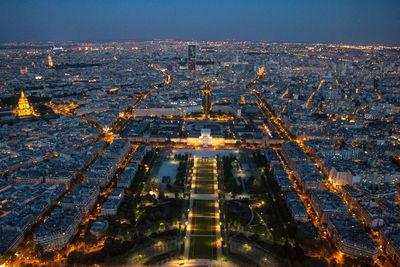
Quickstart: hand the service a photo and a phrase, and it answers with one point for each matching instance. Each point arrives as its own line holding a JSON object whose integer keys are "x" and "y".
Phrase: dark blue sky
{"x": 346, "y": 21}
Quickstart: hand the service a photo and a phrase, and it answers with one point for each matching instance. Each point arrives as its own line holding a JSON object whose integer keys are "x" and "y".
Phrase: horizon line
{"x": 202, "y": 40}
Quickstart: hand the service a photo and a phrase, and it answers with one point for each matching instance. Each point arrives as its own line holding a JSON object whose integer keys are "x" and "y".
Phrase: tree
{"x": 47, "y": 256}
{"x": 317, "y": 262}
{"x": 90, "y": 239}
{"x": 112, "y": 247}
{"x": 75, "y": 257}
{"x": 39, "y": 250}
{"x": 250, "y": 181}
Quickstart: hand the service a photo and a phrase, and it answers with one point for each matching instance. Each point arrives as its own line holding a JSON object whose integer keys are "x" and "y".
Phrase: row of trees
{"x": 184, "y": 164}
{"x": 180, "y": 176}
{"x": 228, "y": 179}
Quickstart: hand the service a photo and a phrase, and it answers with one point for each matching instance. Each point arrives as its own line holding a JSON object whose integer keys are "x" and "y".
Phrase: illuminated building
{"x": 24, "y": 110}
{"x": 50, "y": 61}
{"x": 341, "y": 175}
{"x": 261, "y": 72}
{"x": 23, "y": 70}
{"x": 191, "y": 58}
{"x": 205, "y": 138}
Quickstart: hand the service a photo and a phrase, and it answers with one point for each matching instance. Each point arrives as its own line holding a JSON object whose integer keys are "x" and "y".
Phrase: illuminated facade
{"x": 24, "y": 109}
{"x": 191, "y": 57}
{"x": 50, "y": 61}
{"x": 23, "y": 70}
{"x": 205, "y": 138}
{"x": 261, "y": 71}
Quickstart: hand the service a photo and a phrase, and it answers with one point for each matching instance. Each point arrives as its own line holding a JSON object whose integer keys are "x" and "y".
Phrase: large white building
{"x": 205, "y": 138}
{"x": 342, "y": 176}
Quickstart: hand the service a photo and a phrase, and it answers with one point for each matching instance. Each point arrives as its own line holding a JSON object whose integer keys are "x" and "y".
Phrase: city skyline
{"x": 350, "y": 22}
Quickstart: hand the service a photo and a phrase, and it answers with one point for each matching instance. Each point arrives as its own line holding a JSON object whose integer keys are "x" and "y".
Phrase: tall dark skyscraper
{"x": 191, "y": 58}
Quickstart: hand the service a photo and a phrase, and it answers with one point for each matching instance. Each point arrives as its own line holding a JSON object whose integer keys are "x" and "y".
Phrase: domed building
{"x": 24, "y": 109}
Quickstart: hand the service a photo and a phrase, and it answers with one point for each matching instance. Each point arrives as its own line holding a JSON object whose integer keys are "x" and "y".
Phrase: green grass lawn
{"x": 204, "y": 176}
{"x": 203, "y": 226}
{"x": 205, "y": 168}
{"x": 205, "y": 163}
{"x": 203, "y": 208}
{"x": 204, "y": 187}
{"x": 203, "y": 247}
{"x": 204, "y": 172}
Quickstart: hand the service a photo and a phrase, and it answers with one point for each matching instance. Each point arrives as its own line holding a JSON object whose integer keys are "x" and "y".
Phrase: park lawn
{"x": 205, "y": 173}
{"x": 204, "y": 187}
{"x": 209, "y": 179}
{"x": 206, "y": 168}
{"x": 203, "y": 247}
{"x": 201, "y": 175}
{"x": 206, "y": 163}
{"x": 204, "y": 208}
{"x": 203, "y": 226}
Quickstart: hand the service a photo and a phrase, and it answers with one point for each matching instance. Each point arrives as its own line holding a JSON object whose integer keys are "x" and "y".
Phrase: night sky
{"x": 335, "y": 21}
